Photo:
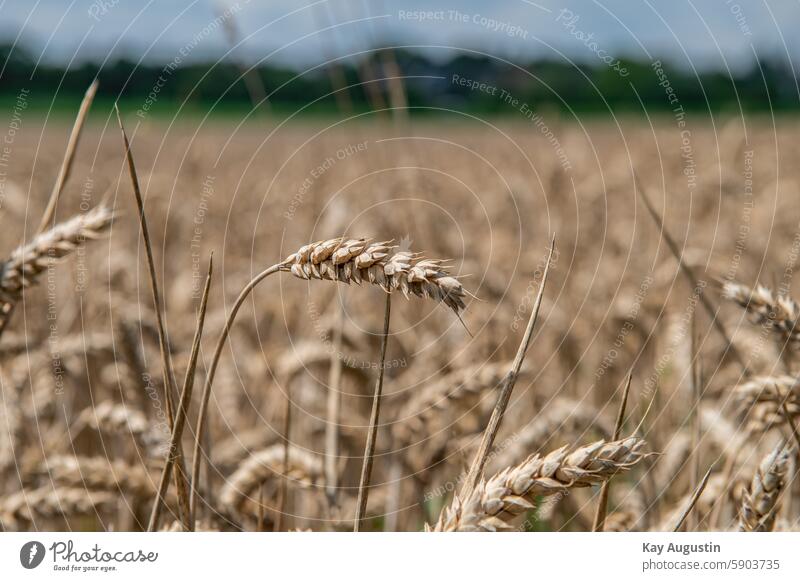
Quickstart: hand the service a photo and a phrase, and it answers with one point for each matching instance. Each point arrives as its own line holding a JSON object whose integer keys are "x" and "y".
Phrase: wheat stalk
{"x": 602, "y": 504}
{"x": 490, "y": 433}
{"x": 175, "y": 455}
{"x": 333, "y": 410}
{"x": 69, "y": 157}
{"x": 687, "y": 272}
{"x": 687, "y": 509}
{"x": 715, "y": 491}
{"x": 283, "y": 485}
{"x": 494, "y": 502}
{"x": 760, "y": 503}
{"x": 181, "y": 483}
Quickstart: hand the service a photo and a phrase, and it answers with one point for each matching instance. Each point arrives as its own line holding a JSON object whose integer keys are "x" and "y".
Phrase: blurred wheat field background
{"x": 84, "y": 426}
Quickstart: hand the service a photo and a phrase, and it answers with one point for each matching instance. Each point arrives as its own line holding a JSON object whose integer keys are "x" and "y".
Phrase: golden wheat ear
{"x": 760, "y": 503}
{"x": 494, "y": 503}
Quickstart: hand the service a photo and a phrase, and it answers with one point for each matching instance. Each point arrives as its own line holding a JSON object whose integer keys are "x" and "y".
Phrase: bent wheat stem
{"x": 348, "y": 261}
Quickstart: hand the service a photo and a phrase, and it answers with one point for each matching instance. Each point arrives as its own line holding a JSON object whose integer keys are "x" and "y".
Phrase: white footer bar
{"x": 401, "y": 556}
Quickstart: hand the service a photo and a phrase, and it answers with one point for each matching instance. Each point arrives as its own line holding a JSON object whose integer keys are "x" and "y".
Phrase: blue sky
{"x": 703, "y": 33}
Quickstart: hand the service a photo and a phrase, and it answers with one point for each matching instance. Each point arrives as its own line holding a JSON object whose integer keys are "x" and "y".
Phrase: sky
{"x": 700, "y": 34}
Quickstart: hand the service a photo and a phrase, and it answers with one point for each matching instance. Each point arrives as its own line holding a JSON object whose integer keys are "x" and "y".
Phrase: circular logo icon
{"x": 31, "y": 554}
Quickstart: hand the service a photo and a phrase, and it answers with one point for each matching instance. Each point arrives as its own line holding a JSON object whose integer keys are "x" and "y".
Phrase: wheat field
{"x": 380, "y": 379}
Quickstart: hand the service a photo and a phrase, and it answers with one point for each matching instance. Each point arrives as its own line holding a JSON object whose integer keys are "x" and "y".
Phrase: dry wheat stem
{"x": 369, "y": 450}
{"x": 717, "y": 487}
{"x": 163, "y": 340}
{"x": 69, "y": 158}
{"x": 692, "y": 501}
{"x": 203, "y": 413}
{"x": 493, "y": 503}
{"x": 487, "y": 441}
{"x": 760, "y": 503}
{"x": 602, "y": 505}
{"x": 262, "y": 502}
{"x": 334, "y": 403}
{"x": 286, "y": 433}
{"x": 697, "y": 395}
{"x": 687, "y": 272}
{"x": 180, "y": 419}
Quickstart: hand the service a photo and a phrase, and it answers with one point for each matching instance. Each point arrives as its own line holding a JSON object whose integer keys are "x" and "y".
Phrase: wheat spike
{"x": 769, "y": 388}
{"x": 779, "y": 312}
{"x": 99, "y": 474}
{"x": 27, "y": 262}
{"x": 22, "y": 509}
{"x": 358, "y": 260}
{"x": 621, "y": 521}
{"x": 438, "y": 398}
{"x": 760, "y": 503}
{"x": 305, "y": 469}
{"x": 560, "y": 419}
{"x": 494, "y": 502}
{"x": 763, "y": 398}
{"x": 111, "y": 417}
{"x": 123, "y": 421}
